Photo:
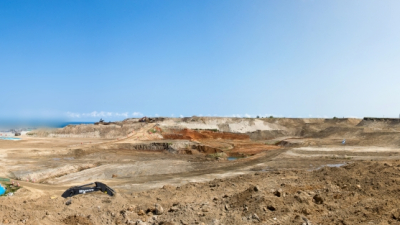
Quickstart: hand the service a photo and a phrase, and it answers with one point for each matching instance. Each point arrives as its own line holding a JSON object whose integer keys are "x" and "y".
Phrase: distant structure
{"x": 16, "y": 133}
{"x": 381, "y": 119}
{"x": 147, "y": 120}
{"x": 101, "y": 121}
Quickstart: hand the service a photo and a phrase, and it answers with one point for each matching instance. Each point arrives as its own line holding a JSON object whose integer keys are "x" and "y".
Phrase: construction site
{"x": 204, "y": 170}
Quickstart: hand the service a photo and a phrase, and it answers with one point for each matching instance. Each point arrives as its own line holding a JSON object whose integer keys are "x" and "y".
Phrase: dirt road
{"x": 207, "y": 170}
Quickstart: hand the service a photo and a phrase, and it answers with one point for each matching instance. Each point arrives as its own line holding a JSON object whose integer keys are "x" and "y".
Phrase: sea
{"x": 6, "y": 126}
{"x": 61, "y": 125}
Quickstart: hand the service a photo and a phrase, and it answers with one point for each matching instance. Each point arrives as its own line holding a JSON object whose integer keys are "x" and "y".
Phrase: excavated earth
{"x": 201, "y": 170}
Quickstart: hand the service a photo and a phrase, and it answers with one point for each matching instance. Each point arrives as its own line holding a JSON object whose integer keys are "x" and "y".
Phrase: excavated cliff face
{"x": 256, "y": 129}
{"x": 233, "y": 125}
{"x": 90, "y": 131}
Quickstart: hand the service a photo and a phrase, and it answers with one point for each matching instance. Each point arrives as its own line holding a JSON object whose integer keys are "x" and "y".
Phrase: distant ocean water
{"x": 7, "y": 124}
{"x": 72, "y": 123}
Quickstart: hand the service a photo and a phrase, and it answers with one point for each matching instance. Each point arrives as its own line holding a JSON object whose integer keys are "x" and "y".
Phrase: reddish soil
{"x": 251, "y": 148}
{"x": 188, "y": 134}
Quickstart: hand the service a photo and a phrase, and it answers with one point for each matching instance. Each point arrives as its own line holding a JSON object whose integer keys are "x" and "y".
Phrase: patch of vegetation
{"x": 217, "y": 155}
{"x": 334, "y": 117}
{"x": 271, "y": 117}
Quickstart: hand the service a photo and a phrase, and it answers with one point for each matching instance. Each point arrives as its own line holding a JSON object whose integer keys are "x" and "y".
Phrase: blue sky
{"x": 82, "y": 60}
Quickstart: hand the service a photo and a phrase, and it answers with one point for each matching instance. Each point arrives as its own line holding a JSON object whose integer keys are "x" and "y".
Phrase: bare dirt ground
{"x": 207, "y": 171}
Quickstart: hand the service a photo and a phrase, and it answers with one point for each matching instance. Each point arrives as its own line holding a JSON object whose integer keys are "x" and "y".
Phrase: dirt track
{"x": 287, "y": 155}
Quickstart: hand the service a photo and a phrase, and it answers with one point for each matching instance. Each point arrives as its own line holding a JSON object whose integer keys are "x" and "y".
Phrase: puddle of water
{"x": 10, "y": 138}
{"x": 336, "y": 165}
{"x": 65, "y": 158}
{"x": 232, "y": 158}
{"x": 331, "y": 165}
{"x": 268, "y": 169}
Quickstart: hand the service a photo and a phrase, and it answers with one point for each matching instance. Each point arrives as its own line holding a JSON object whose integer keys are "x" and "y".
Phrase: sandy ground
{"x": 284, "y": 176}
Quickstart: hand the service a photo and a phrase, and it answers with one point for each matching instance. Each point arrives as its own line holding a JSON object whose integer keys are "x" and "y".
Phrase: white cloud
{"x": 234, "y": 115}
{"x": 73, "y": 115}
{"x": 125, "y": 114}
{"x": 137, "y": 114}
{"x": 98, "y": 114}
{"x": 102, "y": 114}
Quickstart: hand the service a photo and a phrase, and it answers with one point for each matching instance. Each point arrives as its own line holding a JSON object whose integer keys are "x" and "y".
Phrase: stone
{"x": 278, "y": 193}
{"x": 227, "y": 207}
{"x": 139, "y": 222}
{"x": 302, "y": 197}
{"x": 396, "y": 215}
{"x": 306, "y": 211}
{"x": 318, "y": 199}
{"x": 255, "y": 216}
{"x": 158, "y": 209}
{"x": 131, "y": 208}
{"x": 141, "y": 212}
{"x": 306, "y": 221}
{"x": 173, "y": 209}
{"x": 214, "y": 222}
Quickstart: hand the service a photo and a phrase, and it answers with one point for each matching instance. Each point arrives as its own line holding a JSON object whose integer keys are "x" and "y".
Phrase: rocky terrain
{"x": 356, "y": 193}
{"x": 207, "y": 171}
